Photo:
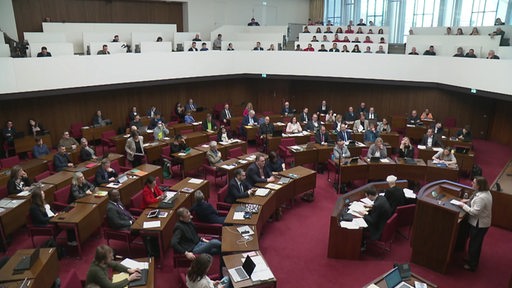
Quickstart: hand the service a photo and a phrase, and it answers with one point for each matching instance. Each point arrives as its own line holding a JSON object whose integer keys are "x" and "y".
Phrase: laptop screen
{"x": 248, "y": 266}
{"x": 393, "y": 278}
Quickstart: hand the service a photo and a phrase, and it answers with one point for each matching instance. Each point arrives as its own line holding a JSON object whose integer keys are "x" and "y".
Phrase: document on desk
{"x": 228, "y": 167}
{"x": 409, "y": 193}
{"x": 24, "y": 193}
{"x": 119, "y": 277}
{"x": 238, "y": 216}
{"x": 349, "y": 225}
{"x": 437, "y": 149}
{"x": 130, "y": 263}
{"x": 455, "y": 202}
{"x": 182, "y": 154}
{"x": 272, "y": 186}
{"x": 262, "y": 192}
{"x": 242, "y": 161}
{"x": 360, "y": 222}
{"x": 262, "y": 271}
{"x": 385, "y": 160}
{"x": 195, "y": 181}
{"x": 367, "y": 201}
{"x": 359, "y": 144}
{"x": 151, "y": 224}
{"x": 113, "y": 185}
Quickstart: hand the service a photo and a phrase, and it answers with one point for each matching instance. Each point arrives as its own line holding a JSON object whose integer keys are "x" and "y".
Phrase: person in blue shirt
{"x": 203, "y": 47}
{"x": 40, "y": 149}
{"x": 371, "y": 134}
{"x": 189, "y": 119}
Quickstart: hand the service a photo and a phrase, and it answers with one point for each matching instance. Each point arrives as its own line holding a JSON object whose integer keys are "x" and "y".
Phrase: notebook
{"x": 243, "y": 272}
{"x": 26, "y": 262}
{"x": 394, "y": 280}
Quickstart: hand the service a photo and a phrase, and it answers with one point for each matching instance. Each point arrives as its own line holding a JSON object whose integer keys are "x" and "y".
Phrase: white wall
{"x": 7, "y": 21}
{"x": 206, "y": 15}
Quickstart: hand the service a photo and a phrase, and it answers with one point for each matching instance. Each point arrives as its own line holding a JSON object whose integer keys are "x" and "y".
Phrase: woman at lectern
{"x": 479, "y": 209}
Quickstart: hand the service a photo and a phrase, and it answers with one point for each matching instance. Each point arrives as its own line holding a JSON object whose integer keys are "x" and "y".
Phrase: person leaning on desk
{"x": 445, "y": 156}
{"x": 377, "y": 149}
{"x": 377, "y": 216}
{"x": 105, "y": 174}
{"x": 406, "y": 149}
{"x": 18, "y": 181}
{"x": 98, "y": 271}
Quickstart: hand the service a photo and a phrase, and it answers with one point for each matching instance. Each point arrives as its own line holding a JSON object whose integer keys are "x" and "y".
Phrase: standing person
{"x": 134, "y": 149}
{"x": 98, "y": 271}
{"x": 217, "y": 43}
{"x": 378, "y": 215}
{"x": 479, "y": 209}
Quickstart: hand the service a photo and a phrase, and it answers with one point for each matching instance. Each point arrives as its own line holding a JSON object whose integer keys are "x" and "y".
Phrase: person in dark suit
{"x": 378, "y": 215}
{"x": 250, "y": 120}
{"x": 344, "y": 134}
{"x": 98, "y": 120}
{"x": 350, "y": 116}
{"x": 225, "y": 115}
{"x": 186, "y": 241}
{"x": 44, "y": 52}
{"x": 204, "y": 211}
{"x": 395, "y": 195}
{"x": 256, "y": 172}
{"x": 362, "y": 109}
{"x": 178, "y": 145}
{"x": 18, "y": 181}
{"x": 464, "y": 134}
{"x": 323, "y": 108}
{"x": 313, "y": 125}
{"x": 118, "y": 217}
{"x": 190, "y": 106}
{"x": 132, "y": 114}
{"x": 430, "y": 140}
{"x": 223, "y": 135}
{"x": 61, "y": 159}
{"x": 266, "y": 127}
{"x": 406, "y": 148}
{"x": 413, "y": 119}
{"x": 287, "y": 110}
{"x": 304, "y": 117}
{"x": 208, "y": 124}
{"x": 438, "y": 129}
{"x": 105, "y": 174}
{"x": 86, "y": 152}
{"x": 321, "y": 136}
{"x": 238, "y": 187}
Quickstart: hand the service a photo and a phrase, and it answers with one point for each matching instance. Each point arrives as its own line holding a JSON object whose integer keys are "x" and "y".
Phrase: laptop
{"x": 394, "y": 280}
{"x": 284, "y": 180}
{"x": 142, "y": 281}
{"x": 243, "y": 272}
{"x": 122, "y": 178}
{"x": 354, "y": 160}
{"x": 374, "y": 159}
{"x": 26, "y": 262}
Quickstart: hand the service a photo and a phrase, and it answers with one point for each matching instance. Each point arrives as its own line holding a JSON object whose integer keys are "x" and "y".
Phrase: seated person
{"x": 338, "y": 121}
{"x": 204, "y": 211}
{"x": 371, "y": 134}
{"x": 105, "y": 174}
{"x": 151, "y": 192}
{"x": 214, "y": 156}
{"x": 238, "y": 187}
{"x": 356, "y": 49}
{"x": 492, "y": 55}
{"x": 98, "y": 120}
{"x": 395, "y": 195}
{"x": 203, "y": 47}
{"x": 191, "y": 106}
{"x": 313, "y": 125}
{"x": 44, "y": 52}
{"x": 384, "y": 126}
{"x": 446, "y": 156}
{"x": 80, "y": 187}
{"x": 356, "y": 40}
{"x": 438, "y": 129}
{"x": 361, "y": 124}
{"x": 266, "y": 128}
{"x": 104, "y": 50}
{"x": 136, "y": 122}
{"x": 323, "y": 109}
{"x": 340, "y": 150}
{"x": 321, "y": 136}
{"x": 186, "y": 241}
{"x": 430, "y": 52}
{"x": 18, "y": 181}
{"x": 372, "y": 115}
{"x": 193, "y": 48}
{"x": 377, "y": 149}
{"x": 413, "y": 119}
{"x": 274, "y": 164}
{"x": 160, "y": 131}
{"x": 330, "y": 117}
{"x": 98, "y": 271}
{"x": 256, "y": 172}
{"x": 310, "y": 46}
{"x": 430, "y": 140}
{"x": 68, "y": 142}
{"x": 344, "y": 49}
{"x": 86, "y": 152}
{"x": 132, "y": 113}
{"x": 406, "y": 149}
{"x": 350, "y": 116}
{"x": 118, "y": 217}
{"x": 378, "y": 215}
{"x": 197, "y": 38}
{"x": 40, "y": 149}
{"x": 470, "y": 54}
{"x": 293, "y": 126}
{"x": 223, "y": 135}
{"x": 178, "y": 145}
{"x": 304, "y": 117}
{"x": 179, "y": 110}
{"x": 344, "y": 134}
{"x": 464, "y": 134}
{"x": 36, "y": 128}
{"x": 287, "y": 110}
{"x": 460, "y": 52}
{"x": 258, "y": 47}
{"x": 426, "y": 115}
{"x": 61, "y": 159}
{"x": 250, "y": 119}
{"x": 196, "y": 275}
{"x": 208, "y": 124}
{"x": 189, "y": 119}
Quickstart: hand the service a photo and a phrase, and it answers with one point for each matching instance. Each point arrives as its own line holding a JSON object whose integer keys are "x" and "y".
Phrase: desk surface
{"x": 235, "y": 260}
{"x": 379, "y": 282}
{"x": 233, "y": 242}
{"x": 43, "y": 273}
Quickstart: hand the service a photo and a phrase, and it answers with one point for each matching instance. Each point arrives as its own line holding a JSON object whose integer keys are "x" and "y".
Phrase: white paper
{"x": 422, "y": 147}
{"x": 24, "y": 193}
{"x": 262, "y": 271}
{"x": 228, "y": 167}
{"x": 273, "y": 186}
{"x": 151, "y": 224}
{"x": 262, "y": 192}
{"x": 385, "y": 160}
{"x": 238, "y": 216}
{"x": 295, "y": 147}
{"x": 113, "y": 185}
{"x": 206, "y": 145}
{"x": 349, "y": 225}
{"x": 437, "y": 149}
{"x": 359, "y": 144}
{"x": 182, "y": 154}
{"x": 149, "y": 131}
{"x": 132, "y": 264}
{"x": 126, "y": 136}
{"x": 366, "y": 201}
{"x": 195, "y": 181}
{"x": 360, "y": 222}
{"x": 455, "y": 202}
{"x": 245, "y": 228}
{"x": 242, "y": 161}
{"x": 409, "y": 193}
{"x": 420, "y": 284}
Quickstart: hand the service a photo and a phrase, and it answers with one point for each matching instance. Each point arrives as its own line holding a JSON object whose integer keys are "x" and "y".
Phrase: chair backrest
{"x": 116, "y": 166}
{"x": 62, "y": 195}
{"x": 10, "y": 161}
{"x": 286, "y": 142}
{"x": 388, "y": 233}
{"x": 76, "y": 129}
{"x": 222, "y": 193}
{"x": 212, "y": 137}
{"x": 3, "y": 192}
{"x": 405, "y": 215}
{"x": 137, "y": 201}
{"x": 42, "y": 176}
{"x": 166, "y": 150}
{"x": 235, "y": 152}
{"x": 108, "y": 134}
{"x": 450, "y": 122}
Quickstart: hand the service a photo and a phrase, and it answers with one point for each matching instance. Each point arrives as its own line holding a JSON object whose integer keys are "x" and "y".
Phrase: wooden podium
{"x": 436, "y": 224}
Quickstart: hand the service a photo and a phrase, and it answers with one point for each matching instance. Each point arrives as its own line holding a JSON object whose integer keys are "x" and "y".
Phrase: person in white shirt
{"x": 196, "y": 274}
{"x": 340, "y": 150}
{"x": 293, "y": 126}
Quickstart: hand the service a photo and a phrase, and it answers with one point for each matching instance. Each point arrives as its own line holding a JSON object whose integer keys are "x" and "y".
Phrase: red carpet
{"x": 296, "y": 246}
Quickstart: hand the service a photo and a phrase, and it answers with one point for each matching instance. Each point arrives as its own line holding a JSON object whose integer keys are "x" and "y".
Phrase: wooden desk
{"x": 415, "y": 133}
{"x": 150, "y": 283}
{"x": 253, "y": 221}
{"x": 306, "y": 180}
{"x": 164, "y": 232}
{"x": 196, "y": 138}
{"x": 150, "y": 170}
{"x": 12, "y": 219}
{"x": 177, "y": 129}
{"x": 274, "y": 142}
{"x": 427, "y": 154}
{"x": 268, "y": 206}
{"x": 233, "y": 242}
{"x": 502, "y": 200}
{"x": 454, "y": 142}
{"x": 5, "y": 174}
{"x": 436, "y": 224}
{"x": 304, "y": 155}
{"x": 42, "y": 274}
{"x": 59, "y": 180}
{"x": 27, "y": 143}
{"x": 85, "y": 219}
{"x": 435, "y": 173}
{"x": 251, "y": 131}
{"x": 100, "y": 201}
{"x": 357, "y": 149}
{"x": 380, "y": 170}
{"x": 83, "y": 167}
{"x": 204, "y": 186}
{"x": 92, "y": 133}
{"x": 128, "y": 188}
{"x": 381, "y": 283}
{"x": 323, "y": 152}
{"x": 234, "y": 260}
{"x": 190, "y": 161}
{"x": 153, "y": 150}
{"x": 350, "y": 172}
{"x": 233, "y": 165}
{"x": 346, "y": 243}
{"x": 413, "y": 172}
{"x": 74, "y": 156}
{"x": 34, "y": 167}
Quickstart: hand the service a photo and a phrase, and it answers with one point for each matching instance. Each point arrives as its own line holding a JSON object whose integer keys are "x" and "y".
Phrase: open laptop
{"x": 142, "y": 281}
{"x": 26, "y": 262}
{"x": 243, "y": 272}
{"x": 122, "y": 178}
{"x": 374, "y": 159}
{"x": 394, "y": 280}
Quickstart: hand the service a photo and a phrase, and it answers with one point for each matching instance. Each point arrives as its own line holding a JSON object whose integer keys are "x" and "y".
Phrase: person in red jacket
{"x": 151, "y": 193}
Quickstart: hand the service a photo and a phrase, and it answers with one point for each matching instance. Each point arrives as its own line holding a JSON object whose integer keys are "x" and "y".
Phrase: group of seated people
{"x": 344, "y": 49}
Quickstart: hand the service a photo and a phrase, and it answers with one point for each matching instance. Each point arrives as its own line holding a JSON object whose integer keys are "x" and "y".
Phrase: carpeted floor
{"x": 296, "y": 246}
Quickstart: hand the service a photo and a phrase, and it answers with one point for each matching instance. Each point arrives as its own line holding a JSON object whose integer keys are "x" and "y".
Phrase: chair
{"x": 76, "y": 130}
{"x": 61, "y": 198}
{"x": 450, "y": 122}
{"x": 118, "y": 168}
{"x": 221, "y": 195}
{"x": 107, "y": 141}
{"x": 235, "y": 152}
{"x": 388, "y": 234}
{"x": 405, "y": 218}
{"x": 71, "y": 279}
{"x": 137, "y": 203}
{"x": 211, "y": 170}
{"x": 10, "y": 161}
{"x": 41, "y": 176}
{"x": 118, "y": 235}
{"x": 284, "y": 152}
{"x": 166, "y": 152}
{"x": 212, "y": 137}
{"x": 49, "y": 230}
